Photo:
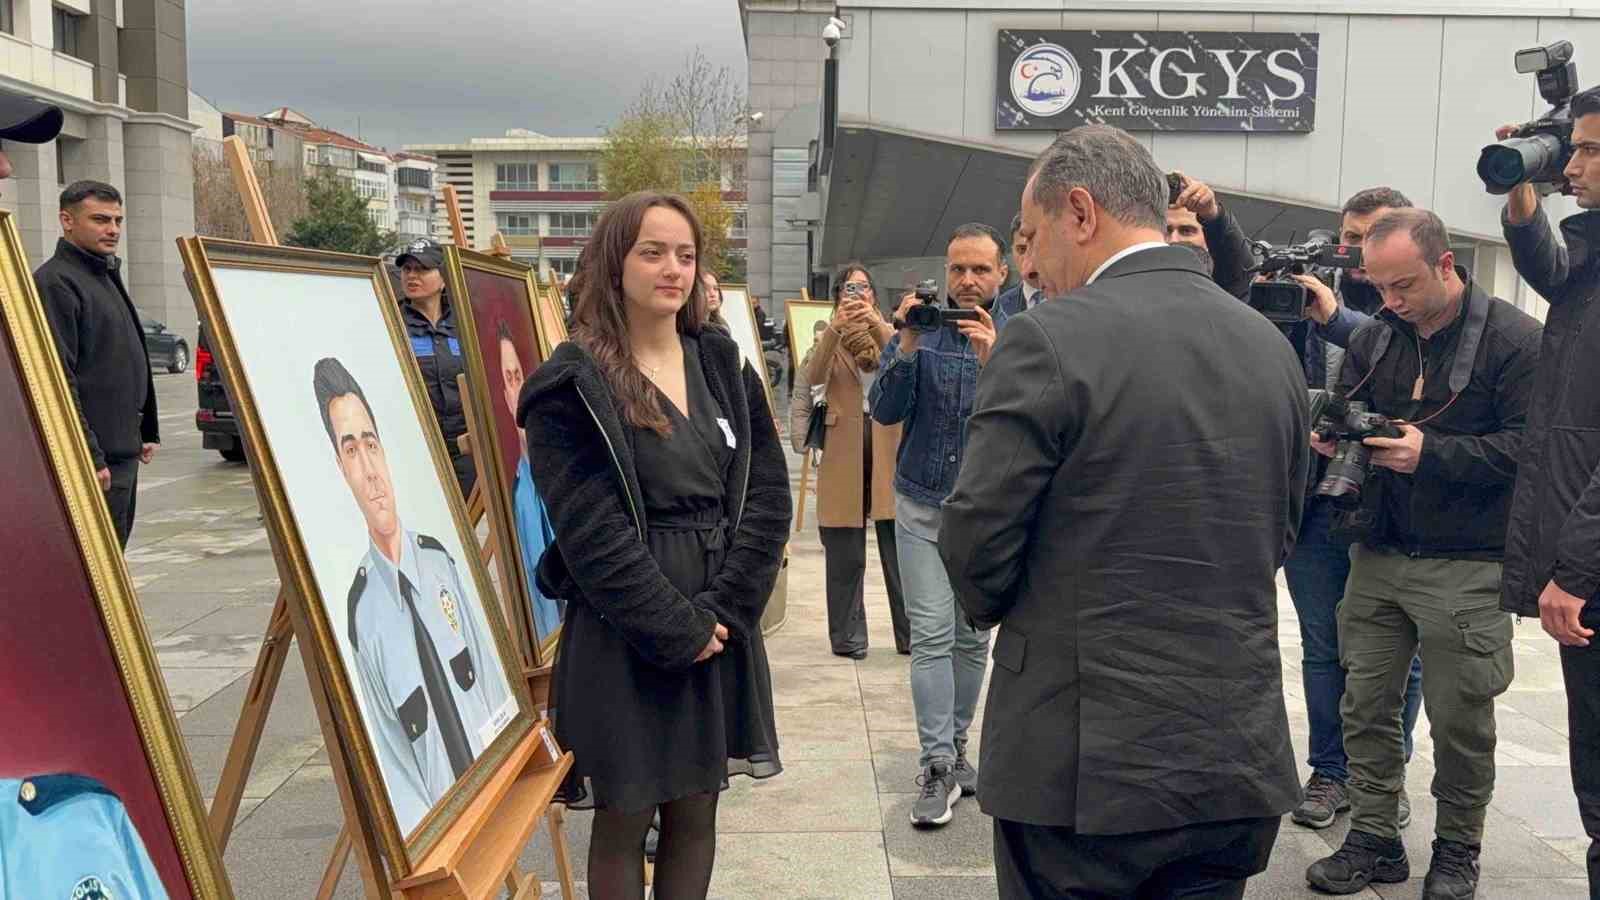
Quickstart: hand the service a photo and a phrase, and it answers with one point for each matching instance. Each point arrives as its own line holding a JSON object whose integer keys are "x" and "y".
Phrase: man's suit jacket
{"x": 1147, "y": 446}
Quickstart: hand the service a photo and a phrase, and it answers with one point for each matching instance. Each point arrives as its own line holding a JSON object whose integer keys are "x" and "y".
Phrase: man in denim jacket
{"x": 927, "y": 381}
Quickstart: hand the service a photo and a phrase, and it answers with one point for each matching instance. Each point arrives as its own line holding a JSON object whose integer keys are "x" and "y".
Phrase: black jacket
{"x": 438, "y": 354}
{"x": 101, "y": 344}
{"x": 1455, "y": 505}
{"x": 1555, "y": 515}
{"x": 1232, "y": 257}
{"x": 1125, "y": 538}
{"x": 581, "y": 452}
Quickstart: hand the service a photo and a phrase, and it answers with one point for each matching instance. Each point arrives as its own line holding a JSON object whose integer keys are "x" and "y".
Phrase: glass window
{"x": 66, "y": 31}
{"x": 517, "y": 223}
{"x": 516, "y": 176}
{"x": 572, "y": 224}
{"x": 414, "y": 178}
{"x": 696, "y": 172}
{"x": 741, "y": 224}
{"x": 368, "y": 165}
{"x": 8, "y": 17}
{"x": 564, "y": 265}
{"x": 574, "y": 177}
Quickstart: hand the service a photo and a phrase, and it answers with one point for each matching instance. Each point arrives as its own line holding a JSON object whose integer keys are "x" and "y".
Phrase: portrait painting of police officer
{"x": 419, "y": 663}
{"x": 96, "y": 799}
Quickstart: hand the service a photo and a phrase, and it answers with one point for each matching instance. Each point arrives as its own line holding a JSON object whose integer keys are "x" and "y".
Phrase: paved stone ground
{"x": 834, "y": 825}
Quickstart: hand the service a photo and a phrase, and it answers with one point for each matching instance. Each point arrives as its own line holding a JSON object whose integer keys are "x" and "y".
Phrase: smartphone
{"x": 1175, "y": 185}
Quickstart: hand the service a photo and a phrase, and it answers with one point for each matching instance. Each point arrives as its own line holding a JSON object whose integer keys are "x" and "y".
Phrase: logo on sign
{"x": 1045, "y": 79}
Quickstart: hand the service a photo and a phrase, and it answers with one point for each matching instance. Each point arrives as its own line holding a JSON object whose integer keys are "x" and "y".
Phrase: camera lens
{"x": 1509, "y": 163}
{"x": 1347, "y": 472}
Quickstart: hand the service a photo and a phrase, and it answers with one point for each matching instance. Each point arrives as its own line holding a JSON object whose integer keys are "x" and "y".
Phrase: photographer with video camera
{"x": 1196, "y": 217}
{"x": 927, "y": 378}
{"x": 1318, "y": 319}
{"x": 1423, "y": 431}
{"x": 1552, "y": 567}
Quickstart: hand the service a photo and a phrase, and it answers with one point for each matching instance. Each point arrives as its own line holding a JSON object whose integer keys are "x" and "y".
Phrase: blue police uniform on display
{"x": 428, "y": 675}
{"x": 535, "y": 534}
{"x": 68, "y": 836}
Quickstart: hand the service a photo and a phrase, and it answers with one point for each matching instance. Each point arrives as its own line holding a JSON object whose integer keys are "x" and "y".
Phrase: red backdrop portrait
{"x": 496, "y": 300}
{"x": 63, "y": 703}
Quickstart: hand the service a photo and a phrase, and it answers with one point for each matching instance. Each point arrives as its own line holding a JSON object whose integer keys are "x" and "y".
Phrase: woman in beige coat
{"x": 855, "y": 480}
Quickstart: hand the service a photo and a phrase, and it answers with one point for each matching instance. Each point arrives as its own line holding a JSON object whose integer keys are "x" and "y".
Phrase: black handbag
{"x": 817, "y": 428}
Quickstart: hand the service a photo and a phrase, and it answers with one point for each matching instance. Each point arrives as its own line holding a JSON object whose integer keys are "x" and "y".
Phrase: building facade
{"x": 119, "y": 71}
{"x": 542, "y": 194}
{"x": 908, "y": 125}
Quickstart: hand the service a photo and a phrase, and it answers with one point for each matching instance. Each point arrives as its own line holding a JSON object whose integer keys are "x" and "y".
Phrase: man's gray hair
{"x": 1111, "y": 165}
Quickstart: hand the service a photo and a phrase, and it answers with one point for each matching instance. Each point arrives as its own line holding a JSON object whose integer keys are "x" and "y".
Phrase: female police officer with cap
{"x": 431, "y": 324}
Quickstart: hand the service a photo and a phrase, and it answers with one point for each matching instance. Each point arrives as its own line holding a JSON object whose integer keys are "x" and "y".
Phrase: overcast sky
{"x": 423, "y": 71}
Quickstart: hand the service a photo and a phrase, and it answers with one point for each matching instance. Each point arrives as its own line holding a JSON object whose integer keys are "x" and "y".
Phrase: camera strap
{"x": 1466, "y": 354}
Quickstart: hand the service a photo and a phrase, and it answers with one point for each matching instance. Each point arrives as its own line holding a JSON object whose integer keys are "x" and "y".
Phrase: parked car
{"x": 167, "y": 350}
{"x": 219, "y": 430}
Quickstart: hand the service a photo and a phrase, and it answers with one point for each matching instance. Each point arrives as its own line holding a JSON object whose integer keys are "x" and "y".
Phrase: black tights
{"x": 684, "y": 855}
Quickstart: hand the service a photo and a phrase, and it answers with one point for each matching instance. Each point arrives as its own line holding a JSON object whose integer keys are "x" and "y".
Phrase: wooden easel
{"x": 480, "y": 848}
{"x": 805, "y": 489}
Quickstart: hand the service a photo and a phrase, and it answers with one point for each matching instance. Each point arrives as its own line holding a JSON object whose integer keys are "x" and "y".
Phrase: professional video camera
{"x": 1349, "y": 422}
{"x": 1282, "y": 299}
{"x": 1537, "y": 151}
{"x": 928, "y": 315}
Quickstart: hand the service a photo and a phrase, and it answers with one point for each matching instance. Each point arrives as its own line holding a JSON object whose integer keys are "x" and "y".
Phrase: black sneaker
{"x": 1323, "y": 799}
{"x": 940, "y": 792}
{"x": 1453, "y": 874}
{"x": 1365, "y": 858}
{"x": 966, "y": 775}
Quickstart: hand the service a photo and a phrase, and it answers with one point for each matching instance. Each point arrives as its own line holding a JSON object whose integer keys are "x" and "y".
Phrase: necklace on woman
{"x": 649, "y": 370}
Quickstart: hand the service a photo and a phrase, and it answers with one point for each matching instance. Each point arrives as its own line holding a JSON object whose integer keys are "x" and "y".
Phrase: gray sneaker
{"x": 1323, "y": 799}
{"x": 939, "y": 794}
{"x": 966, "y": 775}
{"x": 1404, "y": 818}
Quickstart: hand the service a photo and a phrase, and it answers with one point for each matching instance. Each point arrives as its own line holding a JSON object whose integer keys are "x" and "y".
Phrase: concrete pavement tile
{"x": 1548, "y": 708}
{"x": 292, "y": 709}
{"x": 267, "y": 869}
{"x": 539, "y": 859}
{"x": 888, "y": 706}
{"x": 167, "y": 611}
{"x": 1285, "y": 876}
{"x": 793, "y": 648}
{"x": 896, "y": 756}
{"x": 241, "y": 616}
{"x": 782, "y": 866}
{"x": 950, "y": 887}
{"x": 815, "y": 686}
{"x": 305, "y": 808}
{"x": 1575, "y": 849}
{"x": 206, "y": 754}
{"x": 1540, "y": 799}
{"x": 1522, "y": 741}
{"x": 963, "y": 847}
{"x": 884, "y": 666}
{"x": 810, "y": 795}
{"x": 189, "y": 688}
{"x": 822, "y": 732}
{"x": 1537, "y": 660}
{"x": 187, "y": 650}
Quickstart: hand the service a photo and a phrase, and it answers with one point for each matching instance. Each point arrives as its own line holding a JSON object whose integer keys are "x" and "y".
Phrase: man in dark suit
{"x": 1147, "y": 434}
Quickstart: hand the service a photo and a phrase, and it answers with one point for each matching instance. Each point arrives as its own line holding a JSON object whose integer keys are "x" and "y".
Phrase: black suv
{"x": 219, "y": 430}
{"x": 165, "y": 348}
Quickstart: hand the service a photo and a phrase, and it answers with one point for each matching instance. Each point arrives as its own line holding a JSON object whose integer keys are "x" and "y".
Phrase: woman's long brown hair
{"x": 600, "y": 319}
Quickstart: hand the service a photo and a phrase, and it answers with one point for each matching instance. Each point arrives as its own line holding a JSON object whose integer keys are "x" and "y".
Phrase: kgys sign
{"x": 1156, "y": 80}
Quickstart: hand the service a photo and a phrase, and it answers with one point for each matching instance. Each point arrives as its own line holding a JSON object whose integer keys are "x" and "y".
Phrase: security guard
{"x": 69, "y": 836}
{"x": 431, "y": 324}
{"x": 428, "y": 676}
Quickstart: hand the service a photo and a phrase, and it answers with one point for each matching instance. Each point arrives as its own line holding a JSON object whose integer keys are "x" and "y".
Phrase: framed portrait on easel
{"x": 390, "y": 598}
{"x": 97, "y": 797}
{"x": 739, "y": 309}
{"x": 503, "y": 344}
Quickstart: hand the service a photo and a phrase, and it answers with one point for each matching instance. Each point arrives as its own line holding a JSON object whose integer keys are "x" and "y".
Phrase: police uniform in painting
{"x": 428, "y": 675}
{"x": 68, "y": 836}
{"x": 535, "y": 534}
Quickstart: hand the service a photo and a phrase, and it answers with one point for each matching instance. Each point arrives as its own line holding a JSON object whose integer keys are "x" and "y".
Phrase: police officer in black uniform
{"x": 431, "y": 324}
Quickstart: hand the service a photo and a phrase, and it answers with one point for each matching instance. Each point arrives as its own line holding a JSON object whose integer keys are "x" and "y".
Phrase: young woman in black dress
{"x": 655, "y": 451}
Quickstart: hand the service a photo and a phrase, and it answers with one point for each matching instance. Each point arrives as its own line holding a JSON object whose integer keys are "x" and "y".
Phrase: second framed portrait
{"x": 503, "y": 343}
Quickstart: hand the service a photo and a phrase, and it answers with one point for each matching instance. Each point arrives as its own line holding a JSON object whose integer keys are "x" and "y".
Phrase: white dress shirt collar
{"x": 1115, "y": 257}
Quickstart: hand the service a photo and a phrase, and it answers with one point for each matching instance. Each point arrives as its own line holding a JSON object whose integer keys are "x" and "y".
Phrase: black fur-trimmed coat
{"x": 582, "y": 455}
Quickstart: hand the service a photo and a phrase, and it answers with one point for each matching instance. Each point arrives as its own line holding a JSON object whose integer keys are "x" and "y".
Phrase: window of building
{"x": 61, "y": 162}
{"x": 68, "y": 26}
{"x": 564, "y": 265}
{"x": 517, "y": 223}
{"x": 568, "y": 224}
{"x": 369, "y": 165}
{"x": 741, "y": 224}
{"x": 8, "y": 17}
{"x": 516, "y": 176}
{"x": 574, "y": 177}
{"x": 696, "y": 172}
{"x": 408, "y": 177}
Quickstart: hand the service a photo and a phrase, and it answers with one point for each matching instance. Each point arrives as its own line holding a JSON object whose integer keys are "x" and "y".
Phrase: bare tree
{"x": 218, "y": 211}
{"x": 708, "y": 107}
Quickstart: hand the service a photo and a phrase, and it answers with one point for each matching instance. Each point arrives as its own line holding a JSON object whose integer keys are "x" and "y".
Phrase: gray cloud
{"x": 415, "y": 71}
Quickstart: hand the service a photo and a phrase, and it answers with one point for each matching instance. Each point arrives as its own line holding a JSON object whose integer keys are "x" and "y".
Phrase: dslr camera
{"x": 929, "y": 314}
{"x": 1349, "y": 422}
{"x": 1539, "y": 150}
{"x": 1282, "y": 299}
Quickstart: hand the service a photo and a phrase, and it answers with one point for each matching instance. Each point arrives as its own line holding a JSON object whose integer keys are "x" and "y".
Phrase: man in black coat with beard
{"x": 1125, "y": 537}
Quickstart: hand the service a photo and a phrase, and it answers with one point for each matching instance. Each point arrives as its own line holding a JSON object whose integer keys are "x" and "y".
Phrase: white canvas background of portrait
{"x": 283, "y": 323}
{"x": 736, "y": 310}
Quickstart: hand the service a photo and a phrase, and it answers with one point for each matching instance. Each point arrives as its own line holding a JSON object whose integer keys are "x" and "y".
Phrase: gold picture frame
{"x": 802, "y": 316}
{"x": 55, "y": 416}
{"x": 202, "y": 257}
{"x": 747, "y": 334}
{"x": 485, "y": 428}
{"x": 550, "y": 315}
